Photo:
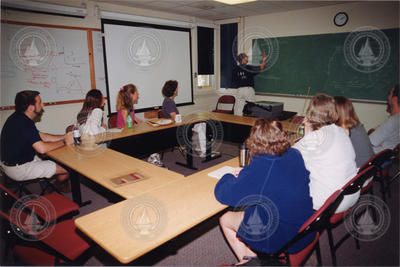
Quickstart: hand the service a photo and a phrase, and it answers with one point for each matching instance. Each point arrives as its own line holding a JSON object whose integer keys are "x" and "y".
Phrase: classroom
{"x": 304, "y": 44}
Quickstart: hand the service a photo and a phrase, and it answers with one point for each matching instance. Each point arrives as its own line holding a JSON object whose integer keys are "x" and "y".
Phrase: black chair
{"x": 21, "y": 187}
{"x": 382, "y": 162}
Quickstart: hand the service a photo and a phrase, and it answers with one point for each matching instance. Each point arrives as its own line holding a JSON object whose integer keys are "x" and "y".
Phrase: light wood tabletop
{"x": 170, "y": 210}
{"x": 102, "y": 165}
{"x": 156, "y": 209}
{"x": 143, "y": 128}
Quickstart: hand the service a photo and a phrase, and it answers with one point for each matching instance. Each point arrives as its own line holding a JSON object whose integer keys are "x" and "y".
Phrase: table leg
{"x": 189, "y": 152}
{"x": 76, "y": 189}
{"x": 209, "y": 154}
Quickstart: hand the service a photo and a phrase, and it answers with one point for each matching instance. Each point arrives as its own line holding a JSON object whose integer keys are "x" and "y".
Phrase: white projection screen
{"x": 146, "y": 55}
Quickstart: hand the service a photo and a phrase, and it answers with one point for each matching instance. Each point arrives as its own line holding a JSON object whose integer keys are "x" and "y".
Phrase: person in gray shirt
{"x": 349, "y": 121}
{"x": 169, "y": 91}
{"x": 387, "y": 135}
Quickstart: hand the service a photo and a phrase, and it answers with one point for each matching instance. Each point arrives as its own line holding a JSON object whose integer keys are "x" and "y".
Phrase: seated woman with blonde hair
{"x": 349, "y": 121}
{"x": 274, "y": 188}
{"x": 327, "y": 152}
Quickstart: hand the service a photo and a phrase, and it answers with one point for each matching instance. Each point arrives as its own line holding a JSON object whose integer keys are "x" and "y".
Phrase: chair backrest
{"x": 297, "y": 119}
{"x": 378, "y": 159}
{"x": 226, "y": 99}
{"x": 318, "y": 221}
{"x": 151, "y": 114}
{"x": 356, "y": 183}
{"x": 61, "y": 241}
{"x": 69, "y": 128}
{"x": 112, "y": 121}
{"x": 396, "y": 151}
{"x": 8, "y": 198}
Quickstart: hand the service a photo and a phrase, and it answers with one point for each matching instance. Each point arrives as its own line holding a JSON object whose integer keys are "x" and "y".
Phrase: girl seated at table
{"x": 90, "y": 118}
{"x": 273, "y": 187}
{"x": 127, "y": 96}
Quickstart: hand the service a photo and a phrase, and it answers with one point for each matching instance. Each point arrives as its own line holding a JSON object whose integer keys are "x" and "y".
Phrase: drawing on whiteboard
{"x": 71, "y": 58}
{"x": 32, "y": 48}
{"x": 73, "y": 85}
{"x": 146, "y": 49}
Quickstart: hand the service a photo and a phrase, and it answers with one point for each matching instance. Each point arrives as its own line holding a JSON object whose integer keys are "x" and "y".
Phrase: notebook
{"x": 128, "y": 179}
{"x": 221, "y": 171}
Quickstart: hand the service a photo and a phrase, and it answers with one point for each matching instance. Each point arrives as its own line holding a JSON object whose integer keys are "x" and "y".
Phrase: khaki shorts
{"x": 37, "y": 168}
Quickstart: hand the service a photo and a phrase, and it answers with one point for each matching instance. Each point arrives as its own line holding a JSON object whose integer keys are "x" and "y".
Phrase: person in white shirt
{"x": 327, "y": 152}
{"x": 387, "y": 135}
{"x": 90, "y": 118}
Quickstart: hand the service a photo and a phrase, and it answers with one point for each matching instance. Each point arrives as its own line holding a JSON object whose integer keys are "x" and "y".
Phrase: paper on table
{"x": 115, "y": 130}
{"x": 221, "y": 171}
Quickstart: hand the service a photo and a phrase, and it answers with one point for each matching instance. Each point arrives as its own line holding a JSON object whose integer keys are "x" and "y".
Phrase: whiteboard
{"x": 53, "y": 61}
{"x": 147, "y": 56}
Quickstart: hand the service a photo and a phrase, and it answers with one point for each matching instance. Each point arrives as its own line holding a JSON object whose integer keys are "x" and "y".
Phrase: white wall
{"x": 310, "y": 21}
{"x": 320, "y": 20}
{"x": 57, "y": 118}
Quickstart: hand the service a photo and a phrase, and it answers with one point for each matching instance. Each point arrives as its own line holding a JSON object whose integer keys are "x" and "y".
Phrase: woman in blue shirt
{"x": 271, "y": 195}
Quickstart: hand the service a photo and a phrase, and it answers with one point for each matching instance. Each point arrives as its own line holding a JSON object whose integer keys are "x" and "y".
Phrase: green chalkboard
{"x": 360, "y": 66}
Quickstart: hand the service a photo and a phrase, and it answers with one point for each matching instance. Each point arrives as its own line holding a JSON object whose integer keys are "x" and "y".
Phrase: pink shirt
{"x": 120, "y": 119}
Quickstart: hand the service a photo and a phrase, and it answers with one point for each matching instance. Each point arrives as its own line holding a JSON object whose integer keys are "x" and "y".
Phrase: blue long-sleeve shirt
{"x": 276, "y": 193}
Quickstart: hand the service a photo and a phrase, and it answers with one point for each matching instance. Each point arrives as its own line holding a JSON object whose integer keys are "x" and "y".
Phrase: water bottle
{"x": 77, "y": 135}
{"x": 243, "y": 155}
{"x": 129, "y": 121}
{"x": 301, "y": 130}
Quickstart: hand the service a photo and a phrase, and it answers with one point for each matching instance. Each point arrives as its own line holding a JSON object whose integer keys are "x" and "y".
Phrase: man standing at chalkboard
{"x": 243, "y": 79}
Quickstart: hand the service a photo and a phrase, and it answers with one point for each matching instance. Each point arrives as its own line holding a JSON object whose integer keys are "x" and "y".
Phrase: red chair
{"x": 315, "y": 224}
{"x": 382, "y": 162}
{"x": 297, "y": 119}
{"x": 60, "y": 245}
{"x": 352, "y": 187}
{"x": 112, "y": 121}
{"x": 60, "y": 204}
{"x": 225, "y": 100}
{"x": 395, "y": 159}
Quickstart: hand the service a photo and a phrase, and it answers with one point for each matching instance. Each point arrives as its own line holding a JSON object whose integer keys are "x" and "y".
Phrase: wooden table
{"x": 183, "y": 204}
{"x": 107, "y": 164}
{"x": 143, "y": 128}
{"x": 180, "y": 202}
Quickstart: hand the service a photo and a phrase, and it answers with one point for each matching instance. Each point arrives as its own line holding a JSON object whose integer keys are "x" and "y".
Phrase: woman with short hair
{"x": 274, "y": 190}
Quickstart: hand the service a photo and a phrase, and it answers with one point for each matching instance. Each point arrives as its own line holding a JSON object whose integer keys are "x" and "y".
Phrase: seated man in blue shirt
{"x": 21, "y": 140}
{"x": 387, "y": 135}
